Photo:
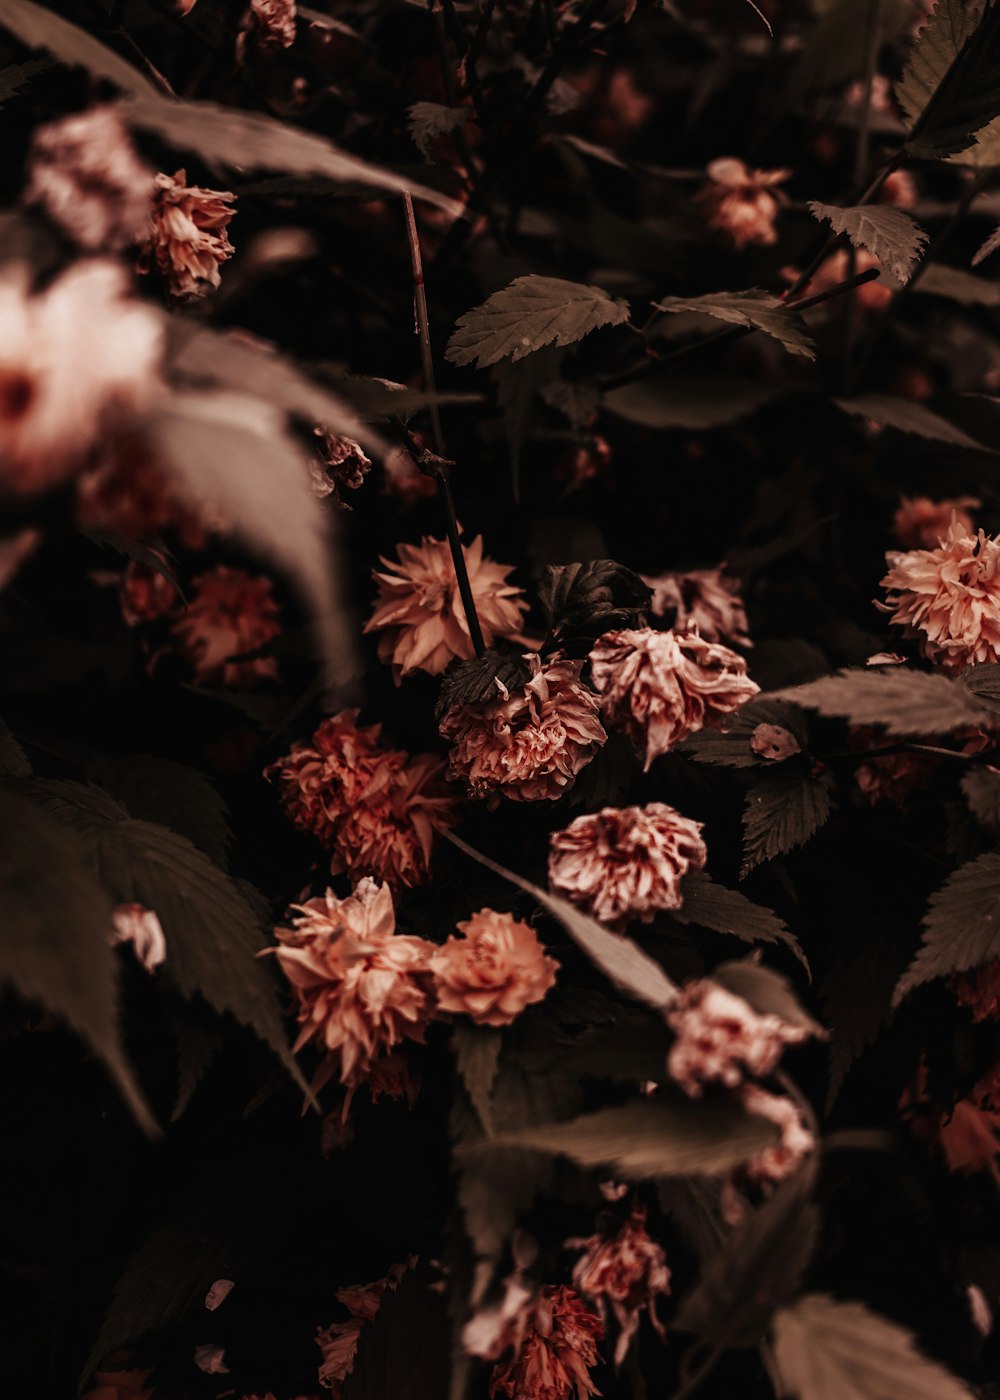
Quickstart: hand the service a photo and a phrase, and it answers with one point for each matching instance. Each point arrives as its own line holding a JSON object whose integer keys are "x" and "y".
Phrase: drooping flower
{"x": 626, "y": 862}
{"x": 339, "y": 1342}
{"x": 921, "y": 523}
{"x": 948, "y": 597}
{"x": 741, "y": 203}
{"x": 979, "y": 990}
{"x": 706, "y": 601}
{"x": 230, "y": 613}
{"x": 720, "y": 1038}
{"x": 660, "y": 686}
{"x": 85, "y": 174}
{"x": 78, "y": 364}
{"x": 266, "y": 25}
{"x": 494, "y": 971}
{"x": 362, "y": 987}
{"x": 556, "y": 1353}
{"x": 775, "y": 1163}
{"x": 146, "y": 594}
{"x": 187, "y": 240}
{"x": 135, "y": 924}
{"x": 338, "y": 464}
{"x": 528, "y": 744}
{"x": 419, "y": 609}
{"x": 626, "y": 1271}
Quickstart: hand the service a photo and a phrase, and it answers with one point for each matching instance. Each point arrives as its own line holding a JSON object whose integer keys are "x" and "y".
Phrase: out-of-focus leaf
{"x": 902, "y": 701}
{"x": 17, "y": 75}
{"x": 653, "y": 1137}
{"x": 961, "y": 927}
{"x": 730, "y": 747}
{"x": 477, "y": 1056}
{"x": 936, "y": 47}
{"x": 982, "y": 792}
{"x": 984, "y": 682}
{"x": 716, "y": 907}
{"x": 621, "y": 960}
{"x": 753, "y": 308}
{"x": 55, "y": 940}
{"x": 533, "y": 311}
{"x": 985, "y": 249}
{"x": 768, "y": 992}
{"x": 577, "y": 402}
{"x": 890, "y": 234}
{"x": 758, "y": 1269}
{"x": 950, "y": 87}
{"x": 172, "y": 794}
{"x": 908, "y": 417}
{"x": 958, "y": 285}
{"x": 828, "y": 1350}
{"x": 39, "y": 28}
{"x": 695, "y": 404}
{"x": 779, "y": 814}
{"x": 599, "y": 594}
{"x": 606, "y": 778}
{"x": 13, "y": 760}
{"x": 404, "y": 1354}
{"x": 834, "y": 47}
{"x": 857, "y": 999}
{"x": 197, "y": 436}
{"x": 429, "y": 120}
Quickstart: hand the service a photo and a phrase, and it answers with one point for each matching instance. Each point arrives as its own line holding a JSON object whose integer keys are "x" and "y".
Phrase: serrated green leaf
{"x": 533, "y": 311}
{"x": 906, "y": 416}
{"x": 477, "y": 1058}
{"x": 937, "y": 45}
{"x": 55, "y": 940}
{"x": 984, "y": 682}
{"x": 716, "y": 907}
{"x": 754, "y": 309}
{"x": 475, "y": 681}
{"x": 961, "y": 927}
{"x": 172, "y": 794}
{"x": 950, "y": 87}
{"x": 889, "y": 234}
{"x": 857, "y": 1000}
{"x": 825, "y": 1349}
{"x": 779, "y": 814}
{"x": 599, "y": 593}
{"x": 429, "y": 120}
{"x": 653, "y": 1137}
{"x": 730, "y": 747}
{"x": 902, "y": 701}
{"x": 17, "y": 75}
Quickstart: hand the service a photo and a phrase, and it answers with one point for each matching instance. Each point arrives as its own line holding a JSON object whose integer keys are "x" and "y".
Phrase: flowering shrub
{"x": 500, "y": 714}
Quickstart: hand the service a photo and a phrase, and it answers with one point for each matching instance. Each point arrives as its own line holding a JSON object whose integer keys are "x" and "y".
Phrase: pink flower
{"x": 362, "y": 987}
{"x": 705, "y": 601}
{"x": 721, "y": 1039}
{"x": 739, "y": 202}
{"x": 85, "y": 174}
{"x": 135, "y": 924}
{"x": 626, "y": 1270}
{"x": 146, "y": 594}
{"x": 893, "y": 777}
{"x": 127, "y": 494}
{"x": 211, "y": 1358}
{"x": 78, "y": 364}
{"x": 921, "y": 523}
{"x": 339, "y": 1342}
{"x": 494, "y": 971}
{"x": 322, "y": 781}
{"x": 231, "y": 612}
{"x": 527, "y": 744}
{"x": 266, "y": 25}
{"x": 949, "y": 597}
{"x": 776, "y": 1163}
{"x": 187, "y": 240}
{"x": 871, "y": 296}
{"x": 774, "y": 742}
{"x": 339, "y": 464}
{"x": 420, "y": 614}
{"x": 404, "y": 480}
{"x": 555, "y": 1354}
{"x": 120, "y": 1385}
{"x": 660, "y": 686}
{"x": 979, "y": 990}
{"x": 899, "y": 188}
{"x": 626, "y": 862}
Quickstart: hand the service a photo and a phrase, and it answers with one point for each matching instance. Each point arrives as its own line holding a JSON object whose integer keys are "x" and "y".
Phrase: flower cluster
{"x": 528, "y": 744}
{"x": 720, "y": 1038}
{"x": 706, "y": 601}
{"x": 921, "y": 523}
{"x": 626, "y": 1271}
{"x": 660, "y": 686}
{"x": 230, "y": 616}
{"x": 553, "y": 1351}
{"x": 626, "y": 862}
{"x": 376, "y": 809}
{"x": 949, "y": 597}
{"x": 187, "y": 241}
{"x": 740, "y": 203}
{"x": 338, "y": 464}
{"x": 493, "y": 971}
{"x": 419, "y": 610}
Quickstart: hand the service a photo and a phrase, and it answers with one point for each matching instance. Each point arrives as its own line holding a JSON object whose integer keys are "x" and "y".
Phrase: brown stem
{"x": 422, "y": 323}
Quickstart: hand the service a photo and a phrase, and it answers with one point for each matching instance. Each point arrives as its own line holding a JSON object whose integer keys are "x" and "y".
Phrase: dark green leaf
{"x": 984, "y": 682}
{"x": 906, "y": 416}
{"x": 900, "y": 700}
{"x": 781, "y": 813}
{"x": 956, "y": 285}
{"x": 950, "y": 87}
{"x": 723, "y": 910}
{"x": 857, "y": 1000}
{"x": 55, "y": 944}
{"x": 477, "y": 1057}
{"x": 889, "y": 234}
{"x": 695, "y": 404}
{"x": 961, "y": 927}
{"x": 159, "y": 790}
{"x": 982, "y": 792}
{"x": 533, "y": 311}
{"x": 577, "y": 402}
{"x": 429, "y": 120}
{"x": 936, "y": 47}
{"x": 475, "y": 681}
{"x": 599, "y": 594}
{"x": 767, "y": 991}
{"x": 606, "y": 778}
{"x": 754, "y": 309}
{"x": 730, "y": 747}
{"x": 404, "y": 1354}
{"x": 16, "y": 75}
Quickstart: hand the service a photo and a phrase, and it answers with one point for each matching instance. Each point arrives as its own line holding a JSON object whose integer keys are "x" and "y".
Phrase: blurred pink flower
{"x": 135, "y": 924}
{"x": 419, "y": 611}
{"x": 362, "y": 987}
{"x": 979, "y": 990}
{"x": 146, "y": 594}
{"x": 390, "y": 1077}
{"x": 740, "y": 202}
{"x": 705, "y": 601}
{"x": 775, "y": 1163}
{"x": 126, "y": 494}
{"x": 211, "y": 1358}
{"x": 266, "y": 24}
{"x": 555, "y": 1353}
{"x": 870, "y": 297}
{"x": 720, "y": 1038}
{"x": 626, "y": 1270}
{"x": 900, "y": 189}
{"x": 494, "y": 971}
{"x": 85, "y": 174}
{"x": 15, "y": 551}
{"x": 339, "y": 1342}
{"x": 625, "y": 862}
{"x": 949, "y": 597}
{"x": 921, "y": 523}
{"x": 231, "y": 612}
{"x": 528, "y": 744}
{"x": 338, "y": 464}
{"x": 78, "y": 364}
{"x": 120, "y": 1385}
{"x": 660, "y": 686}
{"x": 187, "y": 239}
